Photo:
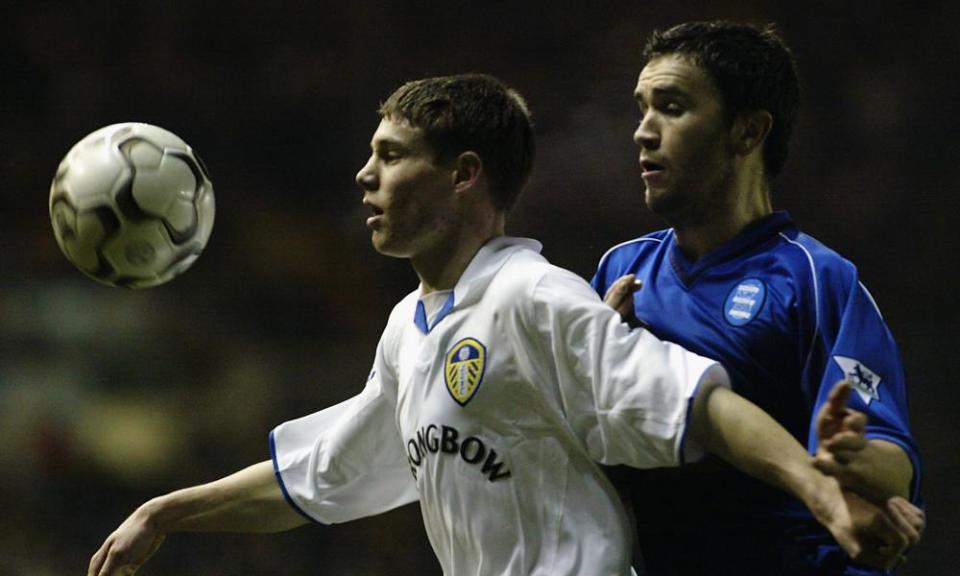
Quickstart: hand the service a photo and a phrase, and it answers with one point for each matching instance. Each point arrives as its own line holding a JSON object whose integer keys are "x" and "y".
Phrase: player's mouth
{"x": 374, "y": 220}
{"x": 653, "y": 172}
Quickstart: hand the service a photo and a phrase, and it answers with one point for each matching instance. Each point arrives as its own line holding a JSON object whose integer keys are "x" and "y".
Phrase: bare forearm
{"x": 248, "y": 501}
{"x": 737, "y": 431}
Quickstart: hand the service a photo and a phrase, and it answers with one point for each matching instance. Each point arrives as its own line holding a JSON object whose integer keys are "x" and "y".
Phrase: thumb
{"x": 839, "y": 397}
{"x": 619, "y": 294}
{"x": 832, "y": 411}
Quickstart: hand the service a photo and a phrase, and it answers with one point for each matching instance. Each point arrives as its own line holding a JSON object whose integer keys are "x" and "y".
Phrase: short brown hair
{"x": 474, "y": 112}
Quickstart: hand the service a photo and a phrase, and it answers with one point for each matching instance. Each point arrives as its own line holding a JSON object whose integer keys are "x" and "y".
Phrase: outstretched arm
{"x": 739, "y": 432}
{"x": 876, "y": 469}
{"x": 247, "y": 501}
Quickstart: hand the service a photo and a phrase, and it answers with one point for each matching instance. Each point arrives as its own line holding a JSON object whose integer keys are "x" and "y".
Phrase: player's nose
{"x": 646, "y": 136}
{"x": 367, "y": 178}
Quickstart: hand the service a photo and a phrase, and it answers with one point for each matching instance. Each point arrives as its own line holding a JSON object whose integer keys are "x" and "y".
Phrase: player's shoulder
{"x": 628, "y": 251}
{"x": 807, "y": 255}
{"x": 521, "y": 271}
{"x": 527, "y": 276}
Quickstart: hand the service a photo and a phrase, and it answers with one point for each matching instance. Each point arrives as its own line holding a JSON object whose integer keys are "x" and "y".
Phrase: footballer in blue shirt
{"x": 734, "y": 280}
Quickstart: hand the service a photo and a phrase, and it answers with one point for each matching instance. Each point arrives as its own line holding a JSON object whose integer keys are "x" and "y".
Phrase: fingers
{"x": 839, "y": 397}
{"x": 854, "y": 421}
{"x": 112, "y": 560}
{"x": 104, "y": 561}
{"x": 620, "y": 294}
{"x": 881, "y": 536}
{"x": 617, "y": 290}
{"x": 843, "y": 448}
{"x": 900, "y": 528}
{"x": 96, "y": 562}
{"x": 831, "y": 414}
{"x": 826, "y": 423}
{"x": 846, "y": 467}
{"x": 114, "y": 564}
{"x": 843, "y": 472}
{"x": 889, "y": 546}
{"x": 827, "y": 465}
{"x": 909, "y": 519}
{"x": 834, "y": 423}
{"x": 845, "y": 445}
{"x": 841, "y": 444}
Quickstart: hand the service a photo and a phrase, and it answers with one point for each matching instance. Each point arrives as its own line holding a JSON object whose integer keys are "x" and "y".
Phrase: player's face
{"x": 686, "y": 151}
{"x": 409, "y": 193}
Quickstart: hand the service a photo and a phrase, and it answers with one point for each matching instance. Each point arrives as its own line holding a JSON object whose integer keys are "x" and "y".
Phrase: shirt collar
{"x": 420, "y": 315}
{"x": 478, "y": 274}
{"x": 748, "y": 239}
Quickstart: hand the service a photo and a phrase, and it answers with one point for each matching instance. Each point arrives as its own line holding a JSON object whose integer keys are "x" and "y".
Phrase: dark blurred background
{"x": 108, "y": 396}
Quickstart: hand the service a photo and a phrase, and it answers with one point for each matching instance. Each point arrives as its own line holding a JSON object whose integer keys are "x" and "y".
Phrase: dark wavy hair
{"x": 750, "y": 65}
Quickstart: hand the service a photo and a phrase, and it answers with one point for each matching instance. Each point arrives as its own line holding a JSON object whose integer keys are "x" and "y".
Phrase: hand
{"x": 885, "y": 534}
{"x": 841, "y": 438}
{"x": 862, "y": 529}
{"x": 128, "y": 548}
{"x": 909, "y": 519}
{"x": 835, "y": 418}
{"x": 620, "y": 297}
{"x": 875, "y": 468}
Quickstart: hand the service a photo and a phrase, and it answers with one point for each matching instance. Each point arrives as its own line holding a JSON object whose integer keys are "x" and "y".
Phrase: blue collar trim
{"x": 420, "y": 316}
{"x": 749, "y": 239}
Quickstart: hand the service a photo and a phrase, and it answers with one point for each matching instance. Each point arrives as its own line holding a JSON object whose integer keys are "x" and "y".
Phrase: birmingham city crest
{"x": 744, "y": 302}
{"x": 463, "y": 369}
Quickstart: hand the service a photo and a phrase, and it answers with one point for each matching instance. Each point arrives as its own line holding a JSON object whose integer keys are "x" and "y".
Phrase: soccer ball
{"x": 131, "y": 205}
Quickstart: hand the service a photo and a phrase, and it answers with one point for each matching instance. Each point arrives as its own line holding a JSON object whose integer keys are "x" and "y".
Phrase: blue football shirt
{"x": 788, "y": 318}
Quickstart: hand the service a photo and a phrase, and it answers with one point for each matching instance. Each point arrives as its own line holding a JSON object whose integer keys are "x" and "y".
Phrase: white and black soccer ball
{"x": 132, "y": 205}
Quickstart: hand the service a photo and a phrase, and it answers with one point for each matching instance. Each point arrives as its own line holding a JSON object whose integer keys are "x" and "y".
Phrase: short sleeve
{"x": 347, "y": 461}
{"x": 862, "y": 350}
{"x": 626, "y": 394}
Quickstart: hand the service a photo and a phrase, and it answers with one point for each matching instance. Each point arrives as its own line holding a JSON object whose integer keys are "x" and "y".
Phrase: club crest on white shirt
{"x": 865, "y": 381}
{"x": 463, "y": 369}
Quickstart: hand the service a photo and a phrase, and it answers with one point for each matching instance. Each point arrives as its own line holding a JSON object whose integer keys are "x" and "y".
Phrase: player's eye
{"x": 672, "y": 108}
{"x": 389, "y": 155}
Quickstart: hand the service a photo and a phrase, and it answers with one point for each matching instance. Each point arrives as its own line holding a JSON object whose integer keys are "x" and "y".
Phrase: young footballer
{"x": 734, "y": 280}
{"x": 497, "y": 386}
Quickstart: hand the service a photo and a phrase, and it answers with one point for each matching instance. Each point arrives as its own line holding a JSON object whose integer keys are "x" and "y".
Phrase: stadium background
{"x": 108, "y": 397}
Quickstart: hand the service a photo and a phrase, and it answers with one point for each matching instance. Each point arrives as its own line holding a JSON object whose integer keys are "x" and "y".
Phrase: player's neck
{"x": 442, "y": 267}
{"x": 724, "y": 223}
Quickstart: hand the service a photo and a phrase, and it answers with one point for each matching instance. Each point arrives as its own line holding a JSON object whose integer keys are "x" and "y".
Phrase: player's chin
{"x": 663, "y": 202}
{"x": 384, "y": 244}
{"x": 656, "y": 199}
{"x": 379, "y": 243}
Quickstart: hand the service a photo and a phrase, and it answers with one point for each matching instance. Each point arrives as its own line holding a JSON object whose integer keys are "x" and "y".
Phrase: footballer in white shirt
{"x": 498, "y": 386}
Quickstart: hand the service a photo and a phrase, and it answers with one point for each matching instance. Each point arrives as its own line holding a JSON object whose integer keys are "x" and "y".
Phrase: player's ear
{"x": 750, "y": 130}
{"x": 467, "y": 170}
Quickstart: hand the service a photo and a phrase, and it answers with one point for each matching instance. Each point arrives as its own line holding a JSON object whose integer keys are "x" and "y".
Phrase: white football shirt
{"x": 495, "y": 417}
